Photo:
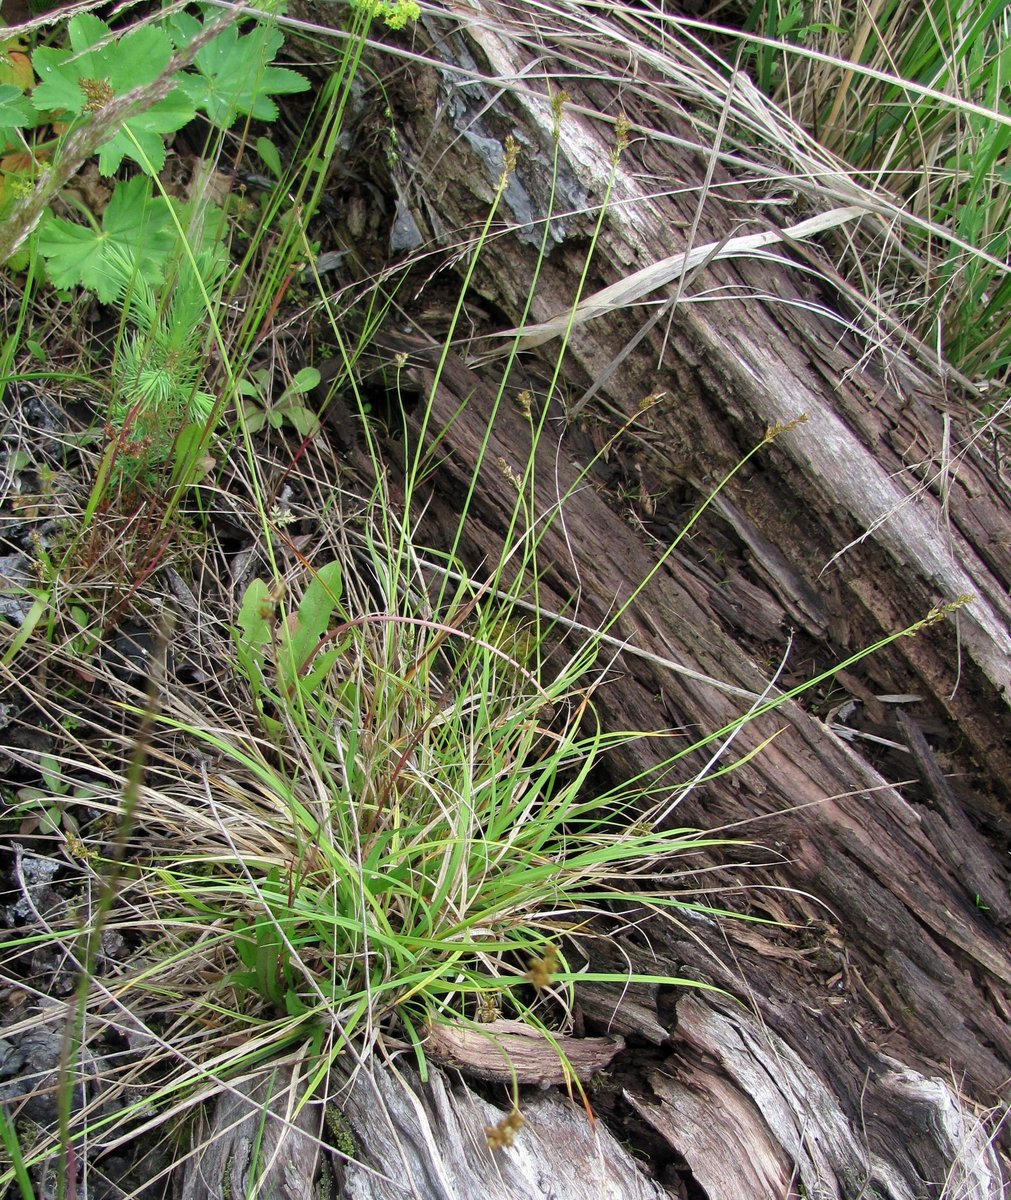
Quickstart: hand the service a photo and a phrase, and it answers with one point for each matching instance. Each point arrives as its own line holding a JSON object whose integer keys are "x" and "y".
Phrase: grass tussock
{"x": 382, "y": 807}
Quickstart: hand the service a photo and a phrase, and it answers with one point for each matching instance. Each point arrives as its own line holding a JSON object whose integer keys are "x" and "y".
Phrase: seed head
{"x": 98, "y": 93}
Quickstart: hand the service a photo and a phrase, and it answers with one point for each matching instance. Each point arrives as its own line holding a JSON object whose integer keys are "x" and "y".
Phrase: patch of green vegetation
{"x": 342, "y": 1137}
{"x": 259, "y": 409}
{"x": 914, "y": 97}
{"x": 158, "y": 259}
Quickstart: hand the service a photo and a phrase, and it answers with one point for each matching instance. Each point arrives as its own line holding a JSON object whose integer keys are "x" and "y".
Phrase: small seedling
{"x": 259, "y": 410}
{"x": 46, "y": 809}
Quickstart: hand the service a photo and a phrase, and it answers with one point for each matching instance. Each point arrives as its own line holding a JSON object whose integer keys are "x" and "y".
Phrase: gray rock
{"x": 16, "y": 581}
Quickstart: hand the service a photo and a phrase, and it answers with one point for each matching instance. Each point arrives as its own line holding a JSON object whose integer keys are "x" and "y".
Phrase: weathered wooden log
{"x": 382, "y": 1135}
{"x": 793, "y": 1136}
{"x": 511, "y": 1051}
{"x": 431, "y": 1142}
{"x": 888, "y": 948}
{"x": 873, "y": 1023}
{"x": 889, "y": 992}
{"x": 258, "y": 1139}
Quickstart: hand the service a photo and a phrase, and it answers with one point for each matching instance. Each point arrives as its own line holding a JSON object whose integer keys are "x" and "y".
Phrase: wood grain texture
{"x": 872, "y": 1024}
{"x": 429, "y": 1143}
{"x": 506, "y": 1051}
{"x": 890, "y": 994}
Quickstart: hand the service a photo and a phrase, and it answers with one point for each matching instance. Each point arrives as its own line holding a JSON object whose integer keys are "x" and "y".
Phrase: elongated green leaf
{"x": 314, "y": 614}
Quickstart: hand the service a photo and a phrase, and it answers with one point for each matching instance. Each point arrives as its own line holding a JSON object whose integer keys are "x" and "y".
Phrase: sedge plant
{"x": 388, "y": 812}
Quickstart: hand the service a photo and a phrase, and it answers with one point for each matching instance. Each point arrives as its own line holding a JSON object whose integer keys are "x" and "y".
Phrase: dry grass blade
{"x": 636, "y": 287}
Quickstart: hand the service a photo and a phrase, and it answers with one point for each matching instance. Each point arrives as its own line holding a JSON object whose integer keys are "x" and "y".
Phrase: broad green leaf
{"x": 304, "y": 381}
{"x": 256, "y": 615}
{"x": 314, "y": 614}
{"x": 57, "y": 91}
{"x": 254, "y": 415}
{"x": 15, "y": 109}
{"x": 303, "y": 420}
{"x": 142, "y": 222}
{"x": 149, "y": 128}
{"x": 293, "y": 1006}
{"x": 49, "y": 769}
{"x": 183, "y": 28}
{"x": 233, "y": 77}
{"x": 269, "y": 156}
{"x": 252, "y": 634}
{"x": 323, "y": 662}
{"x": 74, "y": 255}
{"x": 16, "y": 112}
{"x": 321, "y": 598}
{"x": 96, "y": 56}
{"x": 99, "y": 68}
{"x": 137, "y": 234}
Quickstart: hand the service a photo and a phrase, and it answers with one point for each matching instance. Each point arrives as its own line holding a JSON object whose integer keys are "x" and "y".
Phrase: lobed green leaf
{"x": 16, "y": 111}
{"x": 98, "y": 68}
{"x": 233, "y": 76}
{"x": 137, "y": 233}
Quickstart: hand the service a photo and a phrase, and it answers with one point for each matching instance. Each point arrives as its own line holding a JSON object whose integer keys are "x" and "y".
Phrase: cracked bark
{"x": 867, "y": 1033}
